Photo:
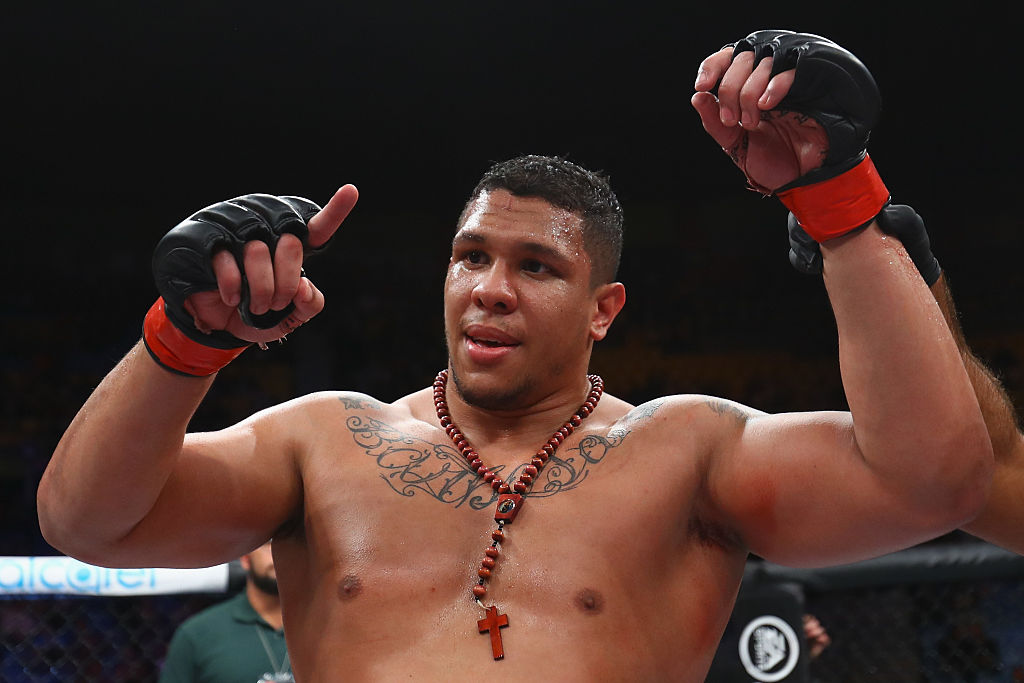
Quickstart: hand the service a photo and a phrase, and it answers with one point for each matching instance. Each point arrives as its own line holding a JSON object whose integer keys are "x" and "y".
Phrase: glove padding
{"x": 830, "y": 85}
{"x": 898, "y": 220}
{"x": 182, "y": 261}
{"x": 835, "y": 89}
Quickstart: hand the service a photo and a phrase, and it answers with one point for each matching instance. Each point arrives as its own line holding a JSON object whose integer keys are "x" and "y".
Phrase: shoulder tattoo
{"x": 729, "y": 409}
{"x": 359, "y": 402}
{"x": 644, "y": 411}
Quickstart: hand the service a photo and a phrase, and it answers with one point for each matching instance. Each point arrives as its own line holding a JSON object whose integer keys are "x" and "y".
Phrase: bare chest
{"x": 398, "y": 498}
{"x": 396, "y": 518}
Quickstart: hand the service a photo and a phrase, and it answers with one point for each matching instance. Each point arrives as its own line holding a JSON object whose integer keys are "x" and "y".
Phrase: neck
{"x": 520, "y": 430}
{"x": 266, "y": 605}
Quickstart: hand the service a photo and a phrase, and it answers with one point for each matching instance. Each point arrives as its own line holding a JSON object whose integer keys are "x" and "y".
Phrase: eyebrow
{"x": 534, "y": 248}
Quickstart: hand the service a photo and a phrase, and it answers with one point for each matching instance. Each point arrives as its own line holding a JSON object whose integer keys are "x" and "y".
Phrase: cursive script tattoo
{"x": 412, "y": 466}
{"x": 567, "y": 470}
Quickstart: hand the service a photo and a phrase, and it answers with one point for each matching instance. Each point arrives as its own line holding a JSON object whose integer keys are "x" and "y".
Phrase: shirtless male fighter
{"x": 513, "y": 510}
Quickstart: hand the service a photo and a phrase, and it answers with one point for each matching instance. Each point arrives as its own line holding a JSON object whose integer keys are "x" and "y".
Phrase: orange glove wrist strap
{"x": 838, "y": 205}
{"x": 172, "y": 349}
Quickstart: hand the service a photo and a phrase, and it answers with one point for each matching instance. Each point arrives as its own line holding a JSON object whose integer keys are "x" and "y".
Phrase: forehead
{"x": 499, "y": 214}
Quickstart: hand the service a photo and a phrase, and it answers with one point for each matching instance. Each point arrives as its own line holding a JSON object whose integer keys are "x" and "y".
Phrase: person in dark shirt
{"x": 240, "y": 639}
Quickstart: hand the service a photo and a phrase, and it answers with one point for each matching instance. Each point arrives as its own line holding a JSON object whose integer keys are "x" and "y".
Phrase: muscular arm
{"x": 1001, "y": 521}
{"x": 127, "y": 486}
{"x": 910, "y": 461}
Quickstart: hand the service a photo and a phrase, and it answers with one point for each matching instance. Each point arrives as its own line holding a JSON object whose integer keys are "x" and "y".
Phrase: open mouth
{"x": 490, "y": 343}
{"x": 485, "y": 338}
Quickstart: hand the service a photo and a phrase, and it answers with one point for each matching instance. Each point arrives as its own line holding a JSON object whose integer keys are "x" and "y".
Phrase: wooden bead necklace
{"x": 510, "y": 496}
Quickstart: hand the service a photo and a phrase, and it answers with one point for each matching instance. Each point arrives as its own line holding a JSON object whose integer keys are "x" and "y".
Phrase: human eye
{"x": 473, "y": 257}
{"x": 535, "y": 267}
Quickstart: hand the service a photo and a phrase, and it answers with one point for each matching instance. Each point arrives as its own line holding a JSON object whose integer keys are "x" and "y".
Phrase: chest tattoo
{"x": 414, "y": 466}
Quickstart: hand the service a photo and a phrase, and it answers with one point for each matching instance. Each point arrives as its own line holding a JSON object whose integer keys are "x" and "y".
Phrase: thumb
{"x": 323, "y": 225}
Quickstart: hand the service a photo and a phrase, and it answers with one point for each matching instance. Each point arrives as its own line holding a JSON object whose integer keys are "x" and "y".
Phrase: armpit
{"x": 710, "y": 533}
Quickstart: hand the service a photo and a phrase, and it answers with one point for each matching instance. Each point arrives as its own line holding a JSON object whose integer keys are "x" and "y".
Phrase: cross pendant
{"x": 494, "y": 622}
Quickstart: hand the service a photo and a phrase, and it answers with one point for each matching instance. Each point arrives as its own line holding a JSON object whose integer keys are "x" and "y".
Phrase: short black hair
{"x": 568, "y": 186}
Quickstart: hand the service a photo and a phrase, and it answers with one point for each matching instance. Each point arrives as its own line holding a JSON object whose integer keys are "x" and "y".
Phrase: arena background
{"x": 124, "y": 119}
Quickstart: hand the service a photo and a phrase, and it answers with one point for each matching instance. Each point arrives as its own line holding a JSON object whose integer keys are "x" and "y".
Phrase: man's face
{"x": 518, "y": 301}
{"x": 259, "y": 564}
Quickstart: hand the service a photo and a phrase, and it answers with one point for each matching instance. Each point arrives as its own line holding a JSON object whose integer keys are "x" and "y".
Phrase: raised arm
{"x": 912, "y": 458}
{"x": 126, "y": 484}
{"x": 909, "y": 462}
{"x": 1001, "y": 520}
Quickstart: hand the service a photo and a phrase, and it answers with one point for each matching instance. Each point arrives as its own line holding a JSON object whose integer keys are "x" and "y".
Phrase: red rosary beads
{"x": 510, "y": 496}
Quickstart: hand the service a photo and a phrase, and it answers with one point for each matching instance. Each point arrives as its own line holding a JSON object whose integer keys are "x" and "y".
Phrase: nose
{"x": 494, "y": 291}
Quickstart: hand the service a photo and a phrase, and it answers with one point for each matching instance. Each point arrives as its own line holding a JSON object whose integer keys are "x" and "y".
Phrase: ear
{"x": 608, "y": 301}
{"x": 246, "y": 562}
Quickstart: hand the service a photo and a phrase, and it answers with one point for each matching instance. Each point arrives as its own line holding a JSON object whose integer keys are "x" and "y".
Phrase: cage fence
{"x": 944, "y": 615}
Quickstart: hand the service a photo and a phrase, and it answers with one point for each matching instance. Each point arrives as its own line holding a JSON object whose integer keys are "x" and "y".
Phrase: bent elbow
{"x": 54, "y": 528}
{"x": 45, "y": 510}
{"x": 55, "y": 524}
{"x": 65, "y": 539}
{"x": 60, "y": 526}
{"x": 969, "y": 476}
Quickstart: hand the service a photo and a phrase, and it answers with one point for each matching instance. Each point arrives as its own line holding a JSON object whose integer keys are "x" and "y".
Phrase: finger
{"x": 729, "y": 89}
{"x": 751, "y": 93}
{"x": 308, "y": 300}
{"x": 208, "y": 311}
{"x": 193, "y": 310}
{"x": 777, "y": 89}
{"x": 229, "y": 278}
{"x": 259, "y": 274}
{"x": 712, "y": 68}
{"x": 323, "y": 225}
{"x": 287, "y": 270}
{"x": 707, "y": 107}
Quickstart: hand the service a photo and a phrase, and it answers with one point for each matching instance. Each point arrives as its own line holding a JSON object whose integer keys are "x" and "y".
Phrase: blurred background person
{"x": 240, "y": 639}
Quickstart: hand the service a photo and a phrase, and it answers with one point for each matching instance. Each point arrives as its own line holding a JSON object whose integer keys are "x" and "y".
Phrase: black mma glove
{"x": 182, "y": 266}
{"x": 898, "y": 220}
{"x": 834, "y": 88}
